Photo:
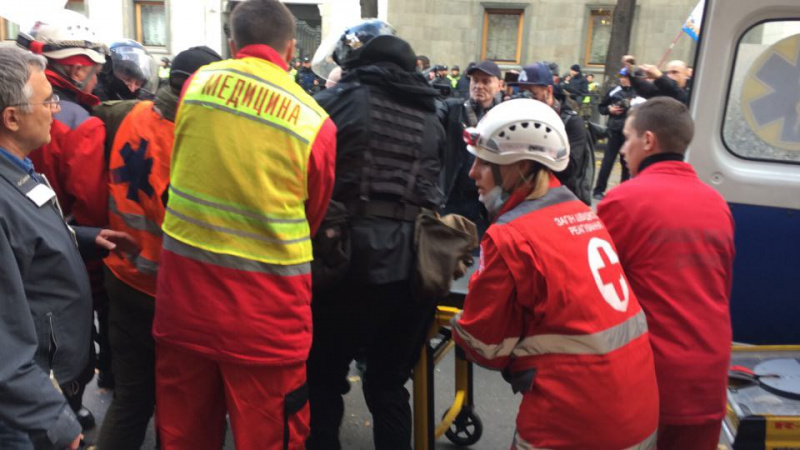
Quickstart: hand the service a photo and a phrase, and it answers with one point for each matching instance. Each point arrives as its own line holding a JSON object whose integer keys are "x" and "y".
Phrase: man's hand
{"x": 651, "y": 71}
{"x": 117, "y": 241}
{"x": 615, "y": 110}
{"x": 76, "y": 443}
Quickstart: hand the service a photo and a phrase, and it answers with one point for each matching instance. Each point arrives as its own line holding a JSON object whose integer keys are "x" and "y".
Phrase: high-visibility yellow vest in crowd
{"x": 239, "y": 180}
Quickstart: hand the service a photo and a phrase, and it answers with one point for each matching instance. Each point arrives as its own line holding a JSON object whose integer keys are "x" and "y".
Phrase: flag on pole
{"x": 695, "y": 20}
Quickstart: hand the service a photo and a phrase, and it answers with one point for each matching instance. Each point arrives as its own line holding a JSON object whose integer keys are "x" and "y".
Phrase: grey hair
{"x": 16, "y": 67}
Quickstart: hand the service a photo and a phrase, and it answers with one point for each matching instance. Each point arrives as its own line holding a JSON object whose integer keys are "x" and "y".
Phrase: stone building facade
{"x": 447, "y": 31}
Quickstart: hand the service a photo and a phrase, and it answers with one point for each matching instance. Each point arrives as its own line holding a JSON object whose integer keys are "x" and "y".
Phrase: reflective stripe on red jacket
{"x": 551, "y": 305}
{"x": 139, "y": 169}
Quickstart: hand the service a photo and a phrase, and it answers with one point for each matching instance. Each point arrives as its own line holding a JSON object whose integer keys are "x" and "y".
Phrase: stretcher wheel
{"x": 466, "y": 429}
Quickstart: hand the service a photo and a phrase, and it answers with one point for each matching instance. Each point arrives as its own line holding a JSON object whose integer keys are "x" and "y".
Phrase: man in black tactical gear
{"x": 389, "y": 146}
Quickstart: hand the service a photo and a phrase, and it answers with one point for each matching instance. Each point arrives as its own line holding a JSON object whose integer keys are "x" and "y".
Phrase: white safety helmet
{"x": 62, "y": 35}
{"x": 517, "y": 130}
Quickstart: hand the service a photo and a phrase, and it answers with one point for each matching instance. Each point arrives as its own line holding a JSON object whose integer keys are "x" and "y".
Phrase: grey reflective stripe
{"x": 599, "y": 343}
{"x": 220, "y": 206}
{"x": 248, "y": 116}
{"x": 135, "y": 221}
{"x": 487, "y": 351}
{"x": 239, "y": 233}
{"x": 144, "y": 265}
{"x": 520, "y": 444}
{"x": 553, "y": 197}
{"x": 233, "y": 262}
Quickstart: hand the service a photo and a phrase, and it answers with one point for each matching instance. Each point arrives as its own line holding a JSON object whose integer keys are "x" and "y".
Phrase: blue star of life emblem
{"x": 135, "y": 172}
{"x": 782, "y": 77}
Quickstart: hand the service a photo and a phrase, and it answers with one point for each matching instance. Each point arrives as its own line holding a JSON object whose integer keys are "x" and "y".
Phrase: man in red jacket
{"x": 675, "y": 239}
{"x": 549, "y": 304}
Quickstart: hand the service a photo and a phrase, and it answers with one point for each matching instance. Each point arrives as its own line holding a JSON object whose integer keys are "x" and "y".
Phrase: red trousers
{"x": 689, "y": 437}
{"x": 268, "y": 405}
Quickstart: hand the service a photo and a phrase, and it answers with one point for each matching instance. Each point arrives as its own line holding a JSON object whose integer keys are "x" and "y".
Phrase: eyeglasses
{"x": 52, "y": 102}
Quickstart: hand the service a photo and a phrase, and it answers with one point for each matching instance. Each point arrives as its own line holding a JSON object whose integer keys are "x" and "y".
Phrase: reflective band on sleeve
{"x": 134, "y": 221}
{"x": 599, "y": 343}
{"x": 487, "y": 351}
{"x": 144, "y": 265}
{"x": 234, "y": 262}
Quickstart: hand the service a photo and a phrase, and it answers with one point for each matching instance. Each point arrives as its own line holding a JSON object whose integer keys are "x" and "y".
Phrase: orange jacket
{"x": 139, "y": 172}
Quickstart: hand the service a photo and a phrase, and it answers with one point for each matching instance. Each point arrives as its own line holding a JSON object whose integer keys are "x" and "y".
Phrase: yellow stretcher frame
{"x": 426, "y": 431}
{"x": 781, "y": 432}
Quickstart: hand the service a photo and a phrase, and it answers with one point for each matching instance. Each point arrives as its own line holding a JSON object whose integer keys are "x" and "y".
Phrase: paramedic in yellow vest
{"x": 251, "y": 178}
{"x": 139, "y": 169}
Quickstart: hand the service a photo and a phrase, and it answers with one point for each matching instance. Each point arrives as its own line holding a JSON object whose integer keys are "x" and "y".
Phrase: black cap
{"x": 455, "y": 68}
{"x": 575, "y": 67}
{"x": 187, "y": 62}
{"x": 536, "y": 74}
{"x": 487, "y": 67}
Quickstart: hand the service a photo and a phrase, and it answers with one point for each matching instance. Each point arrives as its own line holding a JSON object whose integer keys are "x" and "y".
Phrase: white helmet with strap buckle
{"x": 64, "y": 34}
{"x": 520, "y": 129}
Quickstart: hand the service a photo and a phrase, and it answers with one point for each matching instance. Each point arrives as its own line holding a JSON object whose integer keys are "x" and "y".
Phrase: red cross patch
{"x": 607, "y": 273}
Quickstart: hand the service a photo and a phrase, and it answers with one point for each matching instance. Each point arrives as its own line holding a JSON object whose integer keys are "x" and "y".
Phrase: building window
{"x": 502, "y": 35}
{"x": 77, "y": 6}
{"x": 151, "y": 23}
{"x": 598, "y": 37}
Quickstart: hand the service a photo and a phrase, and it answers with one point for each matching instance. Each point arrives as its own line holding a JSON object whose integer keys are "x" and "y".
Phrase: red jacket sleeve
{"x": 321, "y": 169}
{"x": 86, "y": 173}
{"x": 491, "y": 323}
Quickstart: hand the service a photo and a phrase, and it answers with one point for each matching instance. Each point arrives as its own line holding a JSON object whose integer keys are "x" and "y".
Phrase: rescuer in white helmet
{"x": 549, "y": 304}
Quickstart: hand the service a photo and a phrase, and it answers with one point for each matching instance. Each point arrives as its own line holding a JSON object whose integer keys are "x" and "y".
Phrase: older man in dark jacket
{"x": 44, "y": 289}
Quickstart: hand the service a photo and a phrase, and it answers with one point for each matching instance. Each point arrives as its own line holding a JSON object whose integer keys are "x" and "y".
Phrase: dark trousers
{"x": 390, "y": 325}
{"x": 615, "y": 142}
{"x": 13, "y": 439}
{"x": 130, "y": 319}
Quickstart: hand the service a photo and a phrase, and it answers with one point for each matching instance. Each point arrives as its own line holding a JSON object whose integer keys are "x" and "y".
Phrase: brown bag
{"x": 444, "y": 248}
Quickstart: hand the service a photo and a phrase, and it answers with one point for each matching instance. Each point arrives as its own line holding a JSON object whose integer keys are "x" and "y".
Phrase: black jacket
{"x": 384, "y": 112}
{"x": 572, "y": 176}
{"x": 46, "y": 306}
{"x": 663, "y": 86}
{"x": 618, "y": 96}
{"x": 578, "y": 87}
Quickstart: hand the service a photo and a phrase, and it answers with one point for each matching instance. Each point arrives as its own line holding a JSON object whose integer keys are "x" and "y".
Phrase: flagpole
{"x": 669, "y": 50}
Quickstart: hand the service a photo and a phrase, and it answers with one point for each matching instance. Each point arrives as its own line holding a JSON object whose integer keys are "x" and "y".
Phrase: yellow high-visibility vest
{"x": 243, "y": 137}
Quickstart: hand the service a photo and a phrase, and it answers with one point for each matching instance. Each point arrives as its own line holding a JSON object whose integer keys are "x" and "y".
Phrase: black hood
{"x": 383, "y": 49}
{"x": 389, "y": 63}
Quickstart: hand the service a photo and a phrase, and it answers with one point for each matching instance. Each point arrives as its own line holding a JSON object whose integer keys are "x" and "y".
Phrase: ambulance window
{"x": 762, "y": 121}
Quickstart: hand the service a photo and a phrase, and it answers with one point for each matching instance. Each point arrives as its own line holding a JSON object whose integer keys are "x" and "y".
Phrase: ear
{"x": 232, "y": 48}
{"x": 11, "y": 118}
{"x": 650, "y": 142}
{"x": 289, "y": 52}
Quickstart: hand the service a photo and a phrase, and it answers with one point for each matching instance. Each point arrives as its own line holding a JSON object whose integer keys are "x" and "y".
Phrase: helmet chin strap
{"x": 92, "y": 72}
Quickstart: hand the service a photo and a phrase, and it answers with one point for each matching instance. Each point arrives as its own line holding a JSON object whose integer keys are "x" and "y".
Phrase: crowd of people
{"x": 242, "y": 242}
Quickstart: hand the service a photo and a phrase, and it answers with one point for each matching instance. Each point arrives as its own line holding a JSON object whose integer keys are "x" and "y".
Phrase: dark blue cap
{"x": 536, "y": 74}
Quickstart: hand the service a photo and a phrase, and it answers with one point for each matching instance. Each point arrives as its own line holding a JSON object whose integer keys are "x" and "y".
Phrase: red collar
{"x": 58, "y": 82}
{"x": 263, "y": 52}
{"x": 521, "y": 193}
